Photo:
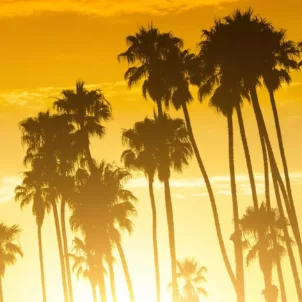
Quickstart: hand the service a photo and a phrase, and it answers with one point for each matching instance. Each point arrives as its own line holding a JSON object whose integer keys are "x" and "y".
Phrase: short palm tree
{"x": 141, "y": 157}
{"x": 100, "y": 204}
{"x": 9, "y": 250}
{"x": 191, "y": 276}
{"x": 85, "y": 264}
{"x": 263, "y": 236}
{"x": 31, "y": 191}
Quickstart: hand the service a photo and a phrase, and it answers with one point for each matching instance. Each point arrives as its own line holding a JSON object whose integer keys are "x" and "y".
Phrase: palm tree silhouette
{"x": 248, "y": 66}
{"x": 31, "y": 191}
{"x": 225, "y": 98}
{"x": 191, "y": 275}
{"x": 141, "y": 156}
{"x": 172, "y": 75}
{"x": 9, "y": 250}
{"x": 171, "y": 150}
{"x": 101, "y": 204}
{"x": 147, "y": 48}
{"x": 85, "y": 264}
{"x": 44, "y": 145}
{"x": 264, "y": 238}
{"x": 276, "y": 73}
{"x": 84, "y": 110}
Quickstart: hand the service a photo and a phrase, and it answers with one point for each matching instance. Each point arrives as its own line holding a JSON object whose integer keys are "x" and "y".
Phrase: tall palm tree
{"x": 265, "y": 240}
{"x": 31, "y": 191}
{"x": 43, "y": 136}
{"x": 147, "y": 48}
{"x": 225, "y": 98}
{"x": 172, "y": 150}
{"x": 247, "y": 66}
{"x": 9, "y": 250}
{"x": 85, "y": 264}
{"x": 126, "y": 270}
{"x": 141, "y": 156}
{"x": 276, "y": 73}
{"x": 101, "y": 204}
{"x": 191, "y": 274}
{"x": 152, "y": 55}
{"x": 85, "y": 110}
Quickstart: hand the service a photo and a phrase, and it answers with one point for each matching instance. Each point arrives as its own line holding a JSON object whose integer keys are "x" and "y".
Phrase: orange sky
{"x": 46, "y": 46}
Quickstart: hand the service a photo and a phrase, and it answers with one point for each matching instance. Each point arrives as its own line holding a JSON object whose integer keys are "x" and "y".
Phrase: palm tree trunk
{"x": 268, "y": 203}
{"x": 267, "y": 274}
{"x": 65, "y": 246}
{"x": 277, "y": 180}
{"x": 170, "y": 221}
{"x": 60, "y": 247}
{"x": 93, "y": 290}
{"x": 154, "y": 233}
{"x": 41, "y": 263}
{"x": 126, "y": 271}
{"x": 237, "y": 234}
{"x": 285, "y": 167}
{"x": 1, "y": 291}
{"x": 288, "y": 243}
{"x": 159, "y": 108}
{"x": 247, "y": 156}
{"x": 112, "y": 277}
{"x": 281, "y": 281}
{"x": 266, "y": 173}
{"x": 102, "y": 286}
{"x": 211, "y": 197}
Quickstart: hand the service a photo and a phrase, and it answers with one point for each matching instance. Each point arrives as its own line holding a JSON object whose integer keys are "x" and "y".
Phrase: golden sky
{"x": 46, "y": 46}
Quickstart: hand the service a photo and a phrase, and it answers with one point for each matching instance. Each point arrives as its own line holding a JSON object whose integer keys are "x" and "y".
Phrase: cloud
{"x": 103, "y": 7}
{"x": 220, "y": 184}
{"x": 7, "y": 187}
{"x": 43, "y": 97}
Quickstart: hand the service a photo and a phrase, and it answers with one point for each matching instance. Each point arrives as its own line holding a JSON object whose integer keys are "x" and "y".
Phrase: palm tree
{"x": 225, "y": 98}
{"x": 145, "y": 49}
{"x": 31, "y": 190}
{"x": 192, "y": 276}
{"x": 172, "y": 150}
{"x": 9, "y": 250}
{"x": 264, "y": 238}
{"x": 276, "y": 73}
{"x": 126, "y": 270}
{"x": 248, "y": 66}
{"x": 85, "y": 110}
{"x": 141, "y": 157}
{"x": 43, "y": 136}
{"x": 101, "y": 203}
{"x": 85, "y": 264}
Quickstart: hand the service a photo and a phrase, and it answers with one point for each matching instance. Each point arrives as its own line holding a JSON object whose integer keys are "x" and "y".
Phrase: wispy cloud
{"x": 102, "y": 8}
{"x": 222, "y": 187}
{"x": 220, "y": 184}
{"x": 45, "y": 96}
{"x": 7, "y": 187}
